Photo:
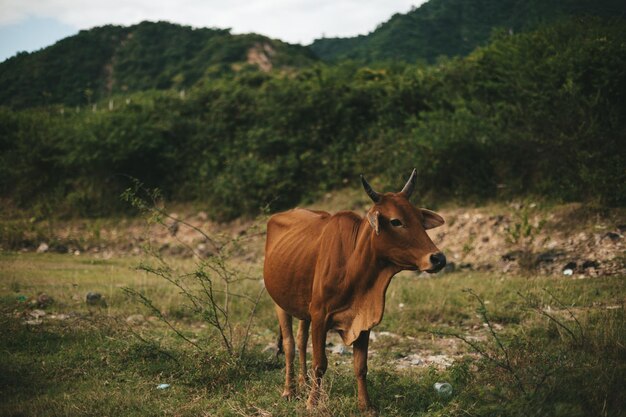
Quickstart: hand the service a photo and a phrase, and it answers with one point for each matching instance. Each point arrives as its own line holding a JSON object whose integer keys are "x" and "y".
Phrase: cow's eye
{"x": 395, "y": 222}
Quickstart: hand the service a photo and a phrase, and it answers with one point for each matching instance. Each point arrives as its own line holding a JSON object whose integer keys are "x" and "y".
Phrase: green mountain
{"x": 107, "y": 60}
{"x": 455, "y": 27}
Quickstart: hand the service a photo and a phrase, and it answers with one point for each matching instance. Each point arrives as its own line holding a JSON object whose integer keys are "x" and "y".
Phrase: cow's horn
{"x": 410, "y": 185}
{"x": 368, "y": 189}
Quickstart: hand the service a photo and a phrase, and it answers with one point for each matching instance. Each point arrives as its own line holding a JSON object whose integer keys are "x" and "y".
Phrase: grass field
{"x": 558, "y": 347}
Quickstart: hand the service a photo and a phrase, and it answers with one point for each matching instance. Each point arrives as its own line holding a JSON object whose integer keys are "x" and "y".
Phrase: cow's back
{"x": 291, "y": 249}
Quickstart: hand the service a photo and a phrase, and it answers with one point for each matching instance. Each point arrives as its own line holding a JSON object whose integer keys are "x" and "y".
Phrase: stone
{"x": 449, "y": 268}
{"x": 340, "y": 350}
{"x": 591, "y": 264}
{"x": 570, "y": 265}
{"x": 612, "y": 236}
{"x": 173, "y": 228}
{"x": 548, "y": 256}
{"x": 44, "y": 300}
{"x": 37, "y": 314}
{"x": 43, "y": 247}
{"x": 95, "y": 299}
{"x": 135, "y": 319}
{"x": 512, "y": 255}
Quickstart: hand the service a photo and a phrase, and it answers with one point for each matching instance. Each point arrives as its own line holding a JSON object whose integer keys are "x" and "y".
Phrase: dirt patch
{"x": 517, "y": 239}
{"x": 261, "y": 55}
{"x": 568, "y": 239}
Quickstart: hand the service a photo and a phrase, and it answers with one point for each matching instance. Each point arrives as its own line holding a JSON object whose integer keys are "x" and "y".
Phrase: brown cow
{"x": 333, "y": 271}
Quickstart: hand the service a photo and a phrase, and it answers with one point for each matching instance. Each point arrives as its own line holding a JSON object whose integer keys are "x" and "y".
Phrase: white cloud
{"x": 290, "y": 20}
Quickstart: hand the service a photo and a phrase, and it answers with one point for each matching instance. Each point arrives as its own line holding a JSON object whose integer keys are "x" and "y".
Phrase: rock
{"x": 171, "y": 250}
{"x": 485, "y": 267}
{"x": 497, "y": 220}
{"x": 135, "y": 319}
{"x": 59, "y": 248}
{"x": 173, "y": 228}
{"x": 449, "y": 268}
{"x": 43, "y": 247}
{"x": 95, "y": 299}
{"x": 37, "y": 313}
{"x": 340, "y": 350}
{"x": 549, "y": 256}
{"x": 44, "y": 300}
{"x": 271, "y": 348}
{"x": 442, "y": 361}
{"x": 203, "y": 250}
{"x": 591, "y": 264}
{"x": 202, "y": 216}
{"x": 415, "y": 361}
{"x": 570, "y": 265}
{"x": 612, "y": 236}
{"x": 388, "y": 334}
{"x": 466, "y": 266}
{"x": 512, "y": 255}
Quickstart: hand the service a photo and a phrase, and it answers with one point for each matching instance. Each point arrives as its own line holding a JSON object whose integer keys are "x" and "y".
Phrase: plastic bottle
{"x": 443, "y": 389}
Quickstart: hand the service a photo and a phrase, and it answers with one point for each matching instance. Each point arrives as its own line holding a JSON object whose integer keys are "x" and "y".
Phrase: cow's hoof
{"x": 368, "y": 410}
{"x": 288, "y": 394}
{"x": 311, "y": 404}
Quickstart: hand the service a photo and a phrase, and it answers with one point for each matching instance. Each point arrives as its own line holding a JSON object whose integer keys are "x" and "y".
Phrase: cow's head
{"x": 401, "y": 229}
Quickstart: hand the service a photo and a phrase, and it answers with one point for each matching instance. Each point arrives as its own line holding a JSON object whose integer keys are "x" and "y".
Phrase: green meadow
{"x": 533, "y": 346}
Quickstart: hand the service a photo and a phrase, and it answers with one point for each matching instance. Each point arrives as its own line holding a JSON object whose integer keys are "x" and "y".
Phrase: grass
{"x": 95, "y": 363}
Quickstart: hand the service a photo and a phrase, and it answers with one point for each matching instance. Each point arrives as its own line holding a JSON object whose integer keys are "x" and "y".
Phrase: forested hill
{"x": 455, "y": 27}
{"x": 107, "y": 60}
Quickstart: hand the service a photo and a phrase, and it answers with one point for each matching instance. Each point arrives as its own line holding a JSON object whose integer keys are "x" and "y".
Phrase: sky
{"x": 28, "y": 25}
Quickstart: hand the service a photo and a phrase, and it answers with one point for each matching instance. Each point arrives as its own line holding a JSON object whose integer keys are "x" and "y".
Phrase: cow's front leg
{"x": 303, "y": 338}
{"x": 360, "y": 347}
{"x": 320, "y": 363}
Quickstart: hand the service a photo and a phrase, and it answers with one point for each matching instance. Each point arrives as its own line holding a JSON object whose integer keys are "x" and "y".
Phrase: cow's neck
{"x": 367, "y": 277}
{"x": 365, "y": 265}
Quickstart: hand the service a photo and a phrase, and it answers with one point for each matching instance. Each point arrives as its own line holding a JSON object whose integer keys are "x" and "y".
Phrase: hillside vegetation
{"x": 531, "y": 114}
{"x": 455, "y": 27}
{"x": 107, "y": 60}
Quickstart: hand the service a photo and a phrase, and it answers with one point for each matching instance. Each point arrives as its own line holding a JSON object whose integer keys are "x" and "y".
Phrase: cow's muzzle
{"x": 438, "y": 261}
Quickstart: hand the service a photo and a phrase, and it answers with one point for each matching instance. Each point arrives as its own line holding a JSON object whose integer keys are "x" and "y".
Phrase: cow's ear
{"x": 431, "y": 219}
{"x": 373, "y": 219}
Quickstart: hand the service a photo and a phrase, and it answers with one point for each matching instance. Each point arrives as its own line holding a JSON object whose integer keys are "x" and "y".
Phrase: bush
{"x": 531, "y": 114}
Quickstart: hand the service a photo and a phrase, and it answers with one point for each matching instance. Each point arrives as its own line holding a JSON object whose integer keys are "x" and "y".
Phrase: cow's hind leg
{"x": 285, "y": 321}
{"x": 303, "y": 338}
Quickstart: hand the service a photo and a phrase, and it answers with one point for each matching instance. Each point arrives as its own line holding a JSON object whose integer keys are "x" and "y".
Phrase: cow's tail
{"x": 279, "y": 343}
